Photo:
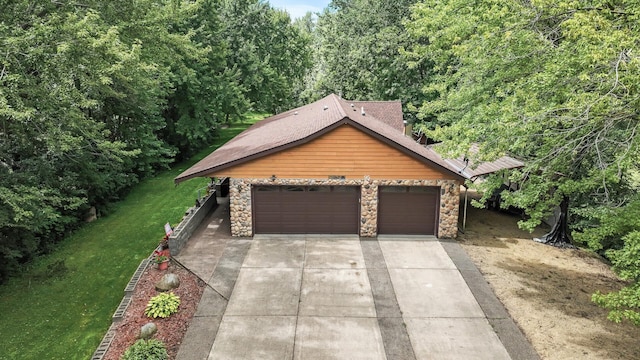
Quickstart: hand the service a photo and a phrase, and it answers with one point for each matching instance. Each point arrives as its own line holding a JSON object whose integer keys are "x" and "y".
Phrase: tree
{"x": 85, "y": 88}
{"x": 206, "y": 88}
{"x": 360, "y": 54}
{"x": 269, "y": 53}
{"x": 59, "y": 151}
{"x": 554, "y": 83}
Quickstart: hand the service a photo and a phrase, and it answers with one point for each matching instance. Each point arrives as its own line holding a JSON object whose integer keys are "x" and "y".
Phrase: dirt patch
{"x": 548, "y": 290}
{"x": 170, "y": 330}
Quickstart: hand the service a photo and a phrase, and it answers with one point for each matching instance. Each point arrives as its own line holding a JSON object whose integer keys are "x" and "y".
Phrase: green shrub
{"x": 625, "y": 303}
{"x": 151, "y": 349}
{"x": 162, "y": 305}
{"x": 621, "y": 224}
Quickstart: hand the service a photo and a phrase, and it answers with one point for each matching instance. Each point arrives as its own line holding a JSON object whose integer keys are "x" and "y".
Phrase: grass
{"x": 62, "y": 307}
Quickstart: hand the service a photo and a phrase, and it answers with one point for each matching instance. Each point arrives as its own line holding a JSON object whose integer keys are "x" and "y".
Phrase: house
{"x": 335, "y": 167}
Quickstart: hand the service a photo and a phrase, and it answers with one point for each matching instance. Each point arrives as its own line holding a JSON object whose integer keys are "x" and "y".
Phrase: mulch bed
{"x": 170, "y": 330}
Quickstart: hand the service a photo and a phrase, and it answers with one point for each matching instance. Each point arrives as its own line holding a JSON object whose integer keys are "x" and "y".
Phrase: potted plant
{"x": 161, "y": 259}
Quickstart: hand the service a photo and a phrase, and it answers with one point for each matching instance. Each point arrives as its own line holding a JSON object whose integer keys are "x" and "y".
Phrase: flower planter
{"x": 161, "y": 257}
{"x": 163, "y": 265}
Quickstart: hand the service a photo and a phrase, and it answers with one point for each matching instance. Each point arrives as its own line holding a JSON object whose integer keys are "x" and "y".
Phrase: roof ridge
{"x": 345, "y": 106}
{"x": 377, "y": 101}
{"x": 305, "y": 123}
{"x": 336, "y": 99}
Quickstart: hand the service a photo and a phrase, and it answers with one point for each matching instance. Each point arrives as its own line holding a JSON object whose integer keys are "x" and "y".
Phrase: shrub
{"x": 625, "y": 303}
{"x": 623, "y": 225}
{"x": 151, "y": 349}
{"x": 162, "y": 305}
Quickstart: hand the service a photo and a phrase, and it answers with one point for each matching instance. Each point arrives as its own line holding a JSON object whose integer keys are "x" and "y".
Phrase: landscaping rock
{"x": 91, "y": 215}
{"x": 168, "y": 282}
{"x": 148, "y": 330}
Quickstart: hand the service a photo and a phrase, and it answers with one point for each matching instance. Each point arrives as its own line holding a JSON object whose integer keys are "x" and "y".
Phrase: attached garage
{"x": 410, "y": 210}
{"x": 306, "y": 209}
{"x": 335, "y": 167}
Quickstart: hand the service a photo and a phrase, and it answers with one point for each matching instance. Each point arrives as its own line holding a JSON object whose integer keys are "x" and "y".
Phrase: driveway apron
{"x": 340, "y": 297}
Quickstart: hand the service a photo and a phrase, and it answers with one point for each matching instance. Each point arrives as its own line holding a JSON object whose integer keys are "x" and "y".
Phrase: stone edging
{"x": 122, "y": 308}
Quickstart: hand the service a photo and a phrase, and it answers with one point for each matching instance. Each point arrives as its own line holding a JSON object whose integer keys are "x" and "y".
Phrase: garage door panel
{"x": 311, "y": 210}
{"x": 408, "y": 210}
{"x": 290, "y": 228}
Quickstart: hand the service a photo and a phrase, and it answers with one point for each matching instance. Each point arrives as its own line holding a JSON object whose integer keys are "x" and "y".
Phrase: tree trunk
{"x": 559, "y": 236}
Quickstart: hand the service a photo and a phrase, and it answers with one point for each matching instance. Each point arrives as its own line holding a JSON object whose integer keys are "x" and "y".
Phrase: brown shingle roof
{"x": 382, "y": 119}
{"x": 472, "y": 170}
{"x": 389, "y": 112}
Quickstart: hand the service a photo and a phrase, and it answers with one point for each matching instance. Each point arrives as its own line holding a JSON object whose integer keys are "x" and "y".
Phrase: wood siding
{"x": 345, "y": 151}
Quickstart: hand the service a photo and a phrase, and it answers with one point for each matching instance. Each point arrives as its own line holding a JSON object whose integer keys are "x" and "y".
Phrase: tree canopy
{"x": 97, "y": 95}
{"x": 358, "y": 53}
{"x": 552, "y": 82}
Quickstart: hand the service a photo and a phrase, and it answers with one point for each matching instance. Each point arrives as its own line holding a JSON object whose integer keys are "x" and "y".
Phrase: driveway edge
{"x": 507, "y": 330}
{"x": 395, "y": 337}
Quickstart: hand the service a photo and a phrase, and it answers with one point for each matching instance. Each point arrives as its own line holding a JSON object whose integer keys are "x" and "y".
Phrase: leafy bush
{"x": 162, "y": 305}
{"x": 625, "y": 303}
{"x": 621, "y": 224}
{"x": 151, "y": 349}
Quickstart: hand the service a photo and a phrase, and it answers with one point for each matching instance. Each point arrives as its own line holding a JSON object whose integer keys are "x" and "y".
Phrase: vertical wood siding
{"x": 345, "y": 151}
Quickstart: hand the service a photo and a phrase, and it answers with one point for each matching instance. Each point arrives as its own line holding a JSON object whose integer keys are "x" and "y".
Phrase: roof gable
{"x": 345, "y": 151}
{"x": 303, "y": 124}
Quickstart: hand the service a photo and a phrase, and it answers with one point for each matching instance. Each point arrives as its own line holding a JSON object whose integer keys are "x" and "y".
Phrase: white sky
{"x": 297, "y": 8}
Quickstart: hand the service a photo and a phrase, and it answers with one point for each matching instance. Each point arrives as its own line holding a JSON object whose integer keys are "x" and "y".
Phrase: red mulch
{"x": 170, "y": 330}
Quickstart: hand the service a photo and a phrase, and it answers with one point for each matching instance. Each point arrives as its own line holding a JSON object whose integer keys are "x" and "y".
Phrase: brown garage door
{"x": 410, "y": 210}
{"x": 306, "y": 209}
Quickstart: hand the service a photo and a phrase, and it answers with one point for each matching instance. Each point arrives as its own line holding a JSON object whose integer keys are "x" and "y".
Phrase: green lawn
{"x": 49, "y": 314}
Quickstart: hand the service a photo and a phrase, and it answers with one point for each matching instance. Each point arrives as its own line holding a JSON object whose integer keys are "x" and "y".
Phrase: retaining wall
{"x": 192, "y": 219}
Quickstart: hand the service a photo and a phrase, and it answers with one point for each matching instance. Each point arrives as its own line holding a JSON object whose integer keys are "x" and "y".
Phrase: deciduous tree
{"x": 552, "y": 82}
{"x": 270, "y": 54}
{"x": 359, "y": 54}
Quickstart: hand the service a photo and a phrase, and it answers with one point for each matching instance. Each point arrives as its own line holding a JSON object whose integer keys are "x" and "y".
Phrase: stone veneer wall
{"x": 240, "y": 202}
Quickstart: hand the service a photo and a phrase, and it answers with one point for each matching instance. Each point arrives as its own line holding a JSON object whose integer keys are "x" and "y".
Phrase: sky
{"x": 297, "y": 8}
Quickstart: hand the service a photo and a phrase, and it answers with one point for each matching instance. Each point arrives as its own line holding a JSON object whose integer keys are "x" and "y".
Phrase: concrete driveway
{"x": 340, "y": 297}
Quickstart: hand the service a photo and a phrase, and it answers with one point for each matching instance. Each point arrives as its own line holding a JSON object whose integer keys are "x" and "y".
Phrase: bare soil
{"x": 170, "y": 330}
{"x": 548, "y": 290}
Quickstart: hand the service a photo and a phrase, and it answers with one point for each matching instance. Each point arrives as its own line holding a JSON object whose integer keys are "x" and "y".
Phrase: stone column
{"x": 449, "y": 205}
{"x": 240, "y": 207}
{"x": 368, "y": 208}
